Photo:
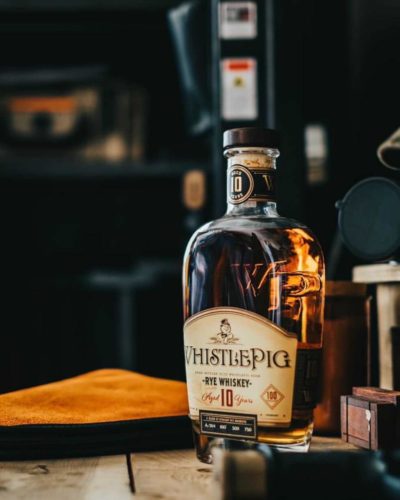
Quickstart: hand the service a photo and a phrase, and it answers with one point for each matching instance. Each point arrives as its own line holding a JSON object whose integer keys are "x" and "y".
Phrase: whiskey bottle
{"x": 253, "y": 287}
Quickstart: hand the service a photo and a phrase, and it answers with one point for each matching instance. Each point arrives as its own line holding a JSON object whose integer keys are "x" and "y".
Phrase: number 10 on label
{"x": 226, "y": 397}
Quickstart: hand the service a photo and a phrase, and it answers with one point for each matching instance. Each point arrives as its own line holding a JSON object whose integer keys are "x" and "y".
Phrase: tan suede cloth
{"x": 100, "y": 396}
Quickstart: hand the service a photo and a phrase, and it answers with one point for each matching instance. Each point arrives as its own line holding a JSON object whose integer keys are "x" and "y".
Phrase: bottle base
{"x": 296, "y": 439}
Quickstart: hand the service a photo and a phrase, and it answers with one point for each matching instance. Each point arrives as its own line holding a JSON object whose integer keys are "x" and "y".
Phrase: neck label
{"x": 250, "y": 184}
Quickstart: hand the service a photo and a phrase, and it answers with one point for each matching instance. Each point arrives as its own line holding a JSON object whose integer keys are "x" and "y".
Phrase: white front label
{"x": 238, "y": 20}
{"x": 239, "y": 89}
{"x": 239, "y": 362}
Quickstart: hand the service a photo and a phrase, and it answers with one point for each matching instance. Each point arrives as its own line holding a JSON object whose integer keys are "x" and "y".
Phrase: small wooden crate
{"x": 370, "y": 418}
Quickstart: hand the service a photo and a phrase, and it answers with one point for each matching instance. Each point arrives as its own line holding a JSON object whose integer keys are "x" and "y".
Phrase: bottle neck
{"x": 251, "y": 181}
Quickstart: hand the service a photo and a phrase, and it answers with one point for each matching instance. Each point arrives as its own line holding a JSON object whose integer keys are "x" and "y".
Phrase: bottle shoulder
{"x": 249, "y": 223}
{"x": 274, "y": 231}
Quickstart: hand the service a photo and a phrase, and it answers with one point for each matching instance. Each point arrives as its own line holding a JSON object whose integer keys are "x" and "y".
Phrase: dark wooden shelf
{"x": 85, "y": 5}
{"x": 73, "y": 169}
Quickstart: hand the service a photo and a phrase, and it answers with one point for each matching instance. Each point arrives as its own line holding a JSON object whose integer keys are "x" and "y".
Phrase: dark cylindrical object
{"x": 251, "y": 137}
{"x": 267, "y": 474}
{"x": 369, "y": 219}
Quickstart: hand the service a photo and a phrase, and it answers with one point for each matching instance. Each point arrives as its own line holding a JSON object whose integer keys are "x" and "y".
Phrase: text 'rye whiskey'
{"x": 253, "y": 285}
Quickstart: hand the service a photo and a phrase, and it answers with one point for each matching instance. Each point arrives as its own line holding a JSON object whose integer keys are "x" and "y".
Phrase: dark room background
{"x": 110, "y": 157}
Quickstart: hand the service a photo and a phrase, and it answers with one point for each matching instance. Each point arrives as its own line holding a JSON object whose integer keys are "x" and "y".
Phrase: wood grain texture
{"x": 172, "y": 475}
{"x": 387, "y": 279}
{"x": 72, "y": 479}
{"x": 377, "y": 273}
{"x": 388, "y": 303}
{"x": 378, "y": 394}
{"x": 345, "y": 289}
{"x": 330, "y": 444}
{"x": 168, "y": 475}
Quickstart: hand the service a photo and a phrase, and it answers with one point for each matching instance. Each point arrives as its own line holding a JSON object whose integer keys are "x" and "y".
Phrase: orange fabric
{"x": 101, "y": 396}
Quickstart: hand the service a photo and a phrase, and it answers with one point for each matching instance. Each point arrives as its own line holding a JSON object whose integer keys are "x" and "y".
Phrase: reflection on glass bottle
{"x": 254, "y": 261}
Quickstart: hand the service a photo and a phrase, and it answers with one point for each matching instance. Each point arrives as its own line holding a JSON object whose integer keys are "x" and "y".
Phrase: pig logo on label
{"x": 225, "y": 334}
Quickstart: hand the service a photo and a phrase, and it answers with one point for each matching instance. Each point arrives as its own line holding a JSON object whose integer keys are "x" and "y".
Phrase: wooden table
{"x": 176, "y": 475}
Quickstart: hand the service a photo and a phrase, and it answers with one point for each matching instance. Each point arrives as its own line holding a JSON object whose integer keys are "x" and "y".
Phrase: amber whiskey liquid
{"x": 253, "y": 302}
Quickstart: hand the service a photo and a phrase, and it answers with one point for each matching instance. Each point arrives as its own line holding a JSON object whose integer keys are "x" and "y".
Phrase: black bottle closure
{"x": 268, "y": 474}
{"x": 251, "y": 136}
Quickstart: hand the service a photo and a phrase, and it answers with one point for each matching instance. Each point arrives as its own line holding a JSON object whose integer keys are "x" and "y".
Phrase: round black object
{"x": 251, "y": 136}
{"x": 369, "y": 219}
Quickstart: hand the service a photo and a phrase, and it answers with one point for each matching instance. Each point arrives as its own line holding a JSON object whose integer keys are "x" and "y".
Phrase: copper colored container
{"x": 344, "y": 353}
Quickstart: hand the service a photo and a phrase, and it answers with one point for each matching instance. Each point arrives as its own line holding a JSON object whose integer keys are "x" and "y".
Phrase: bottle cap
{"x": 251, "y": 136}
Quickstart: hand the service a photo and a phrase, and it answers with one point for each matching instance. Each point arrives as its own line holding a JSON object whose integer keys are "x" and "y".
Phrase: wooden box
{"x": 386, "y": 277}
{"x": 370, "y": 418}
{"x": 344, "y": 350}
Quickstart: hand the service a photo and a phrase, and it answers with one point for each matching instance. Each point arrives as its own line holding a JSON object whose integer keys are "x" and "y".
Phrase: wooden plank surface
{"x": 85, "y": 478}
{"x": 388, "y": 305}
{"x": 377, "y": 273}
{"x": 319, "y": 443}
{"x": 171, "y": 475}
{"x": 167, "y": 475}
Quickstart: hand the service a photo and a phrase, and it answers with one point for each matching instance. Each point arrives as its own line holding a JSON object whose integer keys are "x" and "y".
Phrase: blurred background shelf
{"x": 77, "y": 74}
{"x": 55, "y": 168}
{"x": 85, "y": 5}
{"x": 95, "y": 203}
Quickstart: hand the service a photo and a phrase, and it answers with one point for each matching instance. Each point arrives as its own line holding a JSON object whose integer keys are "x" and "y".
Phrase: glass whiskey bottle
{"x": 253, "y": 291}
